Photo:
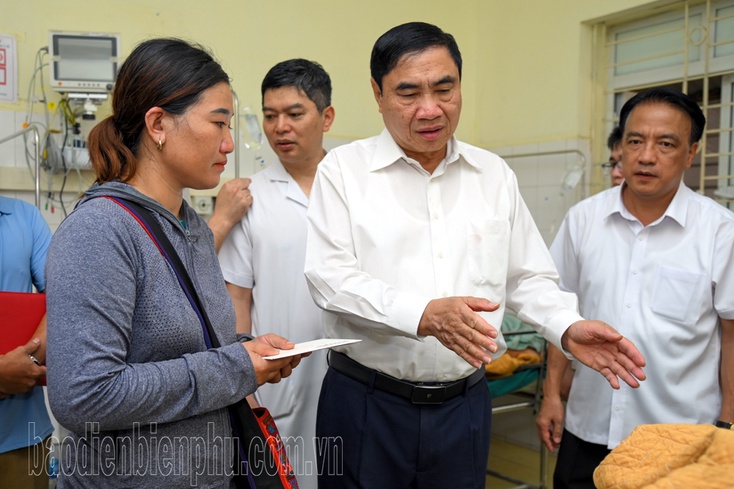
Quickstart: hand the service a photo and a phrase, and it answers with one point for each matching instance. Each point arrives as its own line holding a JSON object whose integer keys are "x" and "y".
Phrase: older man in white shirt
{"x": 416, "y": 244}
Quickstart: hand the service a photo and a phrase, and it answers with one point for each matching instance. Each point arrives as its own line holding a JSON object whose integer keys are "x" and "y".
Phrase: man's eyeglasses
{"x": 610, "y": 165}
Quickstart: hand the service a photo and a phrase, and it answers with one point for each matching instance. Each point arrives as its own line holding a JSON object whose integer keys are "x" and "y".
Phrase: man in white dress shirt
{"x": 416, "y": 244}
{"x": 656, "y": 259}
{"x": 262, "y": 259}
{"x": 614, "y": 165}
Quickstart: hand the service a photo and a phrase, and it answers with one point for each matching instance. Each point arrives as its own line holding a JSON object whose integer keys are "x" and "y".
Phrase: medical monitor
{"x": 83, "y": 62}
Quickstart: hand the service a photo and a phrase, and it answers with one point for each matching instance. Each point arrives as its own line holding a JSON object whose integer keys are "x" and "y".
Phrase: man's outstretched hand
{"x": 599, "y": 346}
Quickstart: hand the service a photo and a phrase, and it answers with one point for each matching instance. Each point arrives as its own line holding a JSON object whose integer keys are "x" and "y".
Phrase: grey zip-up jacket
{"x": 128, "y": 371}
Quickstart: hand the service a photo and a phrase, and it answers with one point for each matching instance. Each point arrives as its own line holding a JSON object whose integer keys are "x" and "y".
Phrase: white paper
{"x": 308, "y": 346}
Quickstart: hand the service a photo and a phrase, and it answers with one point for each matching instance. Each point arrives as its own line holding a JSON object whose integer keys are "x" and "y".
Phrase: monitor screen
{"x": 83, "y": 62}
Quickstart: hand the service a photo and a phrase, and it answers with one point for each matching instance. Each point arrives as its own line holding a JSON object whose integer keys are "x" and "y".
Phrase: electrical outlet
{"x": 202, "y": 204}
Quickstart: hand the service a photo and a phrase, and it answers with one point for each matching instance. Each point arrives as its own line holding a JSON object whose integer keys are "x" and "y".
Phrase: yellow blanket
{"x": 670, "y": 456}
{"x": 506, "y": 365}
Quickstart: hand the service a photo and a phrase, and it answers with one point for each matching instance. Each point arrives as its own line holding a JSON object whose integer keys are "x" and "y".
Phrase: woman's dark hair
{"x": 307, "y": 76}
{"x": 674, "y": 98}
{"x": 413, "y": 37}
{"x": 166, "y": 73}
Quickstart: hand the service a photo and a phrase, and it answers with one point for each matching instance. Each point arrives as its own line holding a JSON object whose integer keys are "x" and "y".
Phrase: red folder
{"x": 20, "y": 314}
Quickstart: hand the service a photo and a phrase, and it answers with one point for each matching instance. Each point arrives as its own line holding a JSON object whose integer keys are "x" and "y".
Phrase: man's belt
{"x": 416, "y": 392}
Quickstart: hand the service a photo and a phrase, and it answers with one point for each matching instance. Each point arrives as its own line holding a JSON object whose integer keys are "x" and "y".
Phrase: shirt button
{"x": 628, "y": 305}
{"x": 445, "y": 294}
{"x": 634, "y": 272}
{"x": 440, "y": 255}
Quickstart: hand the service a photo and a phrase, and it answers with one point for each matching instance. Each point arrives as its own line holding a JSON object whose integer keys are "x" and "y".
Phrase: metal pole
{"x": 37, "y": 140}
{"x": 236, "y": 126}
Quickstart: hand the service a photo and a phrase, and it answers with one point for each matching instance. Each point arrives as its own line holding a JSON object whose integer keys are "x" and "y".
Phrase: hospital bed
{"x": 520, "y": 390}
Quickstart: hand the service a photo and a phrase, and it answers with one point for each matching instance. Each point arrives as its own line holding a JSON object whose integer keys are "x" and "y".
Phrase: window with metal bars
{"x": 687, "y": 45}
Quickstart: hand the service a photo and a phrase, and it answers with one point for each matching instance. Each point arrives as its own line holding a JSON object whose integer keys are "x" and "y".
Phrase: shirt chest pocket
{"x": 488, "y": 241}
{"x": 677, "y": 295}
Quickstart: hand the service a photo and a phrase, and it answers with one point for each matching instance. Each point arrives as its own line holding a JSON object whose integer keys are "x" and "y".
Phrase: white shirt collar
{"x": 276, "y": 172}
{"x": 677, "y": 209}
{"x": 389, "y": 152}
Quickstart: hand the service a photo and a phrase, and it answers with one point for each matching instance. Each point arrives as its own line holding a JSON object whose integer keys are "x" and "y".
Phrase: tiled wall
{"x": 547, "y": 173}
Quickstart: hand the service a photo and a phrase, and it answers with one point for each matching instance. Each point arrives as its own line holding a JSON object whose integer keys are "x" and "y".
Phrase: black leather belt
{"x": 417, "y": 392}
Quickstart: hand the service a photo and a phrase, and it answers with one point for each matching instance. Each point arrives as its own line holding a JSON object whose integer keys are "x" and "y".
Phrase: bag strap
{"x": 241, "y": 416}
{"x": 153, "y": 229}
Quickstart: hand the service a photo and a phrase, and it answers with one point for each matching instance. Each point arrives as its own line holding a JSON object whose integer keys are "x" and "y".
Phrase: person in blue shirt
{"x": 24, "y": 241}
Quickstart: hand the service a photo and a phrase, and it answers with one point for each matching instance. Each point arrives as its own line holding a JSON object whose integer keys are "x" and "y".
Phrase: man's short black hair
{"x": 413, "y": 37}
{"x": 615, "y": 138}
{"x": 673, "y": 98}
{"x": 307, "y": 76}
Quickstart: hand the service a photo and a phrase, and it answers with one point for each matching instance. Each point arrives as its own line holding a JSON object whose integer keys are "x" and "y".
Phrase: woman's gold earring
{"x": 160, "y": 145}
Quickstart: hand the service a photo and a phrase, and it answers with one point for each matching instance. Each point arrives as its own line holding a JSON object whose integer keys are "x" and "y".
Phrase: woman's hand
{"x": 271, "y": 370}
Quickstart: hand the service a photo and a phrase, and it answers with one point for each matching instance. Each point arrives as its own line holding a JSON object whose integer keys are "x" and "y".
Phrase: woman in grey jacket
{"x": 128, "y": 370}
